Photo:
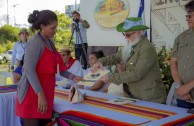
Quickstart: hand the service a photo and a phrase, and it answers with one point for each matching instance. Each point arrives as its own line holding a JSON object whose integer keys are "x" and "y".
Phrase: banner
{"x": 104, "y": 15}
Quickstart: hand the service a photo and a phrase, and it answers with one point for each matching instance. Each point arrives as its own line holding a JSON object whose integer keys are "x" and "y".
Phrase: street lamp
{"x": 7, "y": 12}
{"x": 14, "y": 13}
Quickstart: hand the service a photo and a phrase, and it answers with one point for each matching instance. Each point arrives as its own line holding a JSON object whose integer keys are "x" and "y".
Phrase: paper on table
{"x": 91, "y": 78}
{"x": 62, "y": 82}
{"x": 122, "y": 101}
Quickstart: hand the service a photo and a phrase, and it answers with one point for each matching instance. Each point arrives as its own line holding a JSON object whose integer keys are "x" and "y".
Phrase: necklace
{"x": 50, "y": 42}
{"x": 23, "y": 46}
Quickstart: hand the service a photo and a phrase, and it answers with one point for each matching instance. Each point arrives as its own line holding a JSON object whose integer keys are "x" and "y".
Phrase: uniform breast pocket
{"x": 182, "y": 50}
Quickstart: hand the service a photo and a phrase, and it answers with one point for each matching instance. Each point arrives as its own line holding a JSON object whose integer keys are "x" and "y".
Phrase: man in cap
{"x": 19, "y": 48}
{"x": 141, "y": 73}
{"x": 72, "y": 65}
{"x": 182, "y": 62}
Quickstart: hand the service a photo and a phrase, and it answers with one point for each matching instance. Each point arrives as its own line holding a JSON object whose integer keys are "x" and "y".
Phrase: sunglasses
{"x": 128, "y": 35}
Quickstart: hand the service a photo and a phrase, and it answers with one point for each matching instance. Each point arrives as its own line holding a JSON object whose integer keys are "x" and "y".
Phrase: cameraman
{"x": 80, "y": 25}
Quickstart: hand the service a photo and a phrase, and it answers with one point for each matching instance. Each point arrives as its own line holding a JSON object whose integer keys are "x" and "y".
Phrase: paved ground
{"x": 4, "y": 67}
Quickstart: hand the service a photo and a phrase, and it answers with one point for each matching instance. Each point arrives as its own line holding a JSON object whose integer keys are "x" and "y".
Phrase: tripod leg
{"x": 83, "y": 49}
{"x": 78, "y": 52}
{"x": 84, "y": 57}
{"x": 71, "y": 37}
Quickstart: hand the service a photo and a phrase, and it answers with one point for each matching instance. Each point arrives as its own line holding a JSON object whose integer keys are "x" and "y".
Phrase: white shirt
{"x": 87, "y": 71}
{"x": 83, "y": 32}
{"x": 18, "y": 51}
{"x": 75, "y": 69}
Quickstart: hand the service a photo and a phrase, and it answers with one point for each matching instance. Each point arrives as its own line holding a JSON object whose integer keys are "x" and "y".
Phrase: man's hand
{"x": 184, "y": 89}
{"x": 85, "y": 24}
{"x": 120, "y": 68}
{"x": 42, "y": 103}
{"x": 186, "y": 97}
{"x": 96, "y": 66}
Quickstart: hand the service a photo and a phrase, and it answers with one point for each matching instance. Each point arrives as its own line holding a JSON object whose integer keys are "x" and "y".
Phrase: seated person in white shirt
{"x": 72, "y": 65}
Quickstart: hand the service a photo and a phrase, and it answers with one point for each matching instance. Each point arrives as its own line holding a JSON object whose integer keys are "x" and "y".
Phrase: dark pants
{"x": 79, "y": 54}
{"x": 184, "y": 104}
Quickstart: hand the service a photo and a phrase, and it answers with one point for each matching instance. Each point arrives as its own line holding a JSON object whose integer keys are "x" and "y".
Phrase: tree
{"x": 8, "y": 33}
{"x": 63, "y": 34}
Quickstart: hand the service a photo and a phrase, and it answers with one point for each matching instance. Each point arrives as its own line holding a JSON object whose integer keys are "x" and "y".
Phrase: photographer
{"x": 79, "y": 27}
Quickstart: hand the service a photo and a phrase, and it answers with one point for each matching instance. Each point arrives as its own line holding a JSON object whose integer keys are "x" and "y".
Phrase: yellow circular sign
{"x": 109, "y": 13}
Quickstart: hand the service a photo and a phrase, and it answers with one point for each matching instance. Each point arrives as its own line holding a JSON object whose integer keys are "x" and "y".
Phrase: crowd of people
{"x": 136, "y": 73}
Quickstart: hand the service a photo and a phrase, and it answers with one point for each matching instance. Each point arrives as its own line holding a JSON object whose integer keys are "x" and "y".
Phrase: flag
{"x": 141, "y": 14}
{"x": 141, "y": 9}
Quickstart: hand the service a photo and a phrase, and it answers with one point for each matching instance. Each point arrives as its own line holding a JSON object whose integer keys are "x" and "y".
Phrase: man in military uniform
{"x": 141, "y": 75}
{"x": 182, "y": 62}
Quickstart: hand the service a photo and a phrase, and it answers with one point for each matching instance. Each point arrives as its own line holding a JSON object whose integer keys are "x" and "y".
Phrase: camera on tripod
{"x": 76, "y": 20}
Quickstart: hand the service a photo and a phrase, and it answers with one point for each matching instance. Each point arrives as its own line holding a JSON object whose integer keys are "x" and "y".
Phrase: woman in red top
{"x": 35, "y": 94}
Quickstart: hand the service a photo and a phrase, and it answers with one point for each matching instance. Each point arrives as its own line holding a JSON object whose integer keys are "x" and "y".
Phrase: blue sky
{"x": 24, "y": 7}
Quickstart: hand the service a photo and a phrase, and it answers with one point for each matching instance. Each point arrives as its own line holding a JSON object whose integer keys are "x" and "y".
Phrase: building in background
{"x": 167, "y": 21}
{"x": 70, "y": 8}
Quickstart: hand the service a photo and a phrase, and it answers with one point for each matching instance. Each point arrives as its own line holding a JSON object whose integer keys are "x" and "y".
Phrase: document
{"x": 122, "y": 101}
{"x": 91, "y": 78}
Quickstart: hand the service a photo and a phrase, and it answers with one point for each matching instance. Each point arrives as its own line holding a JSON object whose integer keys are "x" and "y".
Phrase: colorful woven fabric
{"x": 187, "y": 121}
{"x": 8, "y": 88}
{"x": 77, "y": 118}
{"x": 132, "y": 109}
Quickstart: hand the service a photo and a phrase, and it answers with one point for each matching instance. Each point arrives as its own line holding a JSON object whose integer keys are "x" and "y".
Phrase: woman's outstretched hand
{"x": 77, "y": 79}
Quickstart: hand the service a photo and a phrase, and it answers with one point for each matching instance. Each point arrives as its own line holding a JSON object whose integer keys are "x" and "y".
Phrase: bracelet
{"x": 73, "y": 77}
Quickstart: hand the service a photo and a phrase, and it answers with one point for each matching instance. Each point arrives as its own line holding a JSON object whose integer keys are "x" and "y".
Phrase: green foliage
{"x": 8, "y": 33}
{"x": 8, "y": 46}
{"x": 2, "y": 48}
{"x": 164, "y": 62}
{"x": 63, "y": 34}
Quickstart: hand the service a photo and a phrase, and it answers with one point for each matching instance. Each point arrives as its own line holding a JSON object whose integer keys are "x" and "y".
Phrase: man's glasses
{"x": 188, "y": 16}
{"x": 127, "y": 35}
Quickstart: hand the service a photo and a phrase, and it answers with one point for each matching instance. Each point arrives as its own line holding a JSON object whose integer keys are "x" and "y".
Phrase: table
{"x": 7, "y": 106}
{"x": 8, "y": 117}
{"x": 61, "y": 104}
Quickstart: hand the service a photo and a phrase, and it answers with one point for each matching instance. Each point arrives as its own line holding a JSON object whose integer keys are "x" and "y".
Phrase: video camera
{"x": 76, "y": 20}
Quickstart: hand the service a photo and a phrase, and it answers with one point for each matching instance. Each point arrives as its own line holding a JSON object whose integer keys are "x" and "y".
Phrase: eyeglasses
{"x": 128, "y": 35}
{"x": 188, "y": 16}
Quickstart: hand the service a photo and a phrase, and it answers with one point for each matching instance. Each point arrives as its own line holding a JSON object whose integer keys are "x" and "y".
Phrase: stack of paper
{"x": 91, "y": 78}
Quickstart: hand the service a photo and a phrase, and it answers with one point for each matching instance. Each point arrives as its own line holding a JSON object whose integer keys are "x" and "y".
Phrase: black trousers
{"x": 79, "y": 54}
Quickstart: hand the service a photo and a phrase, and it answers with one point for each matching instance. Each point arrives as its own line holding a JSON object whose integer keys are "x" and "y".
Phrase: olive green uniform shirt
{"x": 142, "y": 72}
{"x": 183, "y": 50}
